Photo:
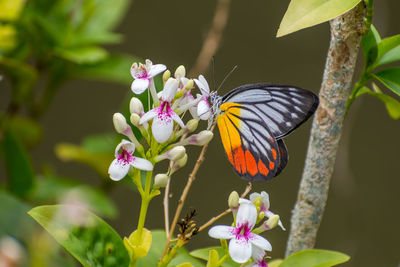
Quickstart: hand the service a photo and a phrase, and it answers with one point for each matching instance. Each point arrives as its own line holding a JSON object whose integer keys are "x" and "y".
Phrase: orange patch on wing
{"x": 274, "y": 153}
{"x": 271, "y": 165}
{"x": 251, "y": 163}
{"x": 262, "y": 168}
{"x": 240, "y": 161}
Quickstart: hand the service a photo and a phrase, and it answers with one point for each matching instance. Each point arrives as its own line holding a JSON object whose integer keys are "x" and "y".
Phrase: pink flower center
{"x": 242, "y": 231}
{"x": 164, "y": 111}
{"x": 141, "y": 72}
{"x": 125, "y": 157}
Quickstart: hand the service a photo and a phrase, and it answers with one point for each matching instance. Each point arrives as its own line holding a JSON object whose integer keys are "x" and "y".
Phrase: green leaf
{"x": 87, "y": 237}
{"x": 392, "y": 105}
{"x": 17, "y": 163}
{"x": 390, "y": 78}
{"x": 204, "y": 254}
{"x": 51, "y": 188}
{"x": 114, "y": 68}
{"x": 369, "y": 44}
{"x": 101, "y": 142}
{"x": 82, "y": 54}
{"x": 314, "y": 258}
{"x": 99, "y": 161}
{"x": 275, "y": 263}
{"x": 22, "y": 77}
{"x": 306, "y": 13}
{"x": 103, "y": 15}
{"x": 10, "y": 10}
{"x": 157, "y": 247}
{"x": 13, "y": 218}
{"x": 388, "y": 51}
{"x": 26, "y": 130}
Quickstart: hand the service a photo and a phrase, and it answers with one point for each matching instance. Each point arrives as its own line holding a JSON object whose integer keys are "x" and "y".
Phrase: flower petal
{"x": 240, "y": 250}
{"x": 176, "y": 118}
{"x": 203, "y": 110}
{"x": 253, "y": 196}
{"x": 265, "y": 200}
{"x": 222, "y": 232}
{"x": 203, "y": 85}
{"x": 184, "y": 81}
{"x": 260, "y": 242}
{"x": 140, "y": 85}
{"x": 156, "y": 69}
{"x": 162, "y": 127}
{"x": 269, "y": 213}
{"x": 118, "y": 169}
{"x": 135, "y": 70}
{"x": 257, "y": 254}
{"x": 148, "y": 63}
{"x": 243, "y": 200}
{"x": 169, "y": 90}
{"x": 247, "y": 214}
{"x": 142, "y": 164}
{"x": 149, "y": 115}
{"x": 126, "y": 145}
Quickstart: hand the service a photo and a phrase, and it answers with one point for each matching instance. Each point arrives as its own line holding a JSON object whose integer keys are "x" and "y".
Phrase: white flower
{"x": 265, "y": 205}
{"x": 143, "y": 74}
{"x": 258, "y": 256}
{"x": 203, "y": 107}
{"x": 163, "y": 116}
{"x": 120, "y": 166}
{"x": 242, "y": 240}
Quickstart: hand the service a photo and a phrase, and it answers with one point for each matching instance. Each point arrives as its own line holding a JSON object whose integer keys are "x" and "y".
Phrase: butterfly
{"x": 252, "y": 120}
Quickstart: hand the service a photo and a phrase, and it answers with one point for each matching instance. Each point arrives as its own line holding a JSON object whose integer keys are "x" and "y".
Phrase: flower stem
{"x": 145, "y": 203}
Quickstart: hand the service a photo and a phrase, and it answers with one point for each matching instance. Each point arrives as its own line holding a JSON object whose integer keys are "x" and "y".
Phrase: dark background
{"x": 362, "y": 213}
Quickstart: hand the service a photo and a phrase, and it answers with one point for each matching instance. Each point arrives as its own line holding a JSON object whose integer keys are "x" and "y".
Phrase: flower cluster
{"x": 162, "y": 127}
{"x": 245, "y": 242}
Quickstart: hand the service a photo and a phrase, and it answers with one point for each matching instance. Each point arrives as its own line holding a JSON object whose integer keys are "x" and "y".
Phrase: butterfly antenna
{"x": 226, "y": 77}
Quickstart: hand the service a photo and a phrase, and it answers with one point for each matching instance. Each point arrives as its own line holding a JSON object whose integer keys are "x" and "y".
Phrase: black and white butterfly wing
{"x": 282, "y": 108}
{"x": 253, "y": 120}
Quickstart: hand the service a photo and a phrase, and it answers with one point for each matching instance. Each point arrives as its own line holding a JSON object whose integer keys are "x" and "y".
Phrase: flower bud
{"x": 173, "y": 154}
{"x": 272, "y": 221}
{"x": 233, "y": 200}
{"x": 260, "y": 216}
{"x": 136, "y": 106}
{"x": 176, "y": 165}
{"x": 166, "y": 75}
{"x": 180, "y": 71}
{"x": 182, "y": 161}
{"x": 189, "y": 85}
{"x": 257, "y": 202}
{"x": 161, "y": 180}
{"x": 120, "y": 124}
{"x": 135, "y": 119}
{"x": 191, "y": 125}
{"x": 176, "y": 153}
{"x": 203, "y": 138}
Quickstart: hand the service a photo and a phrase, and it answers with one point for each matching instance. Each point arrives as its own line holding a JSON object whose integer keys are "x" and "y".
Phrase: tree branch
{"x": 346, "y": 33}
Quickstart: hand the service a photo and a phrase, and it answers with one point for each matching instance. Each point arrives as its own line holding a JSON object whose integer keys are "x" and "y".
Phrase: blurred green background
{"x": 361, "y": 217}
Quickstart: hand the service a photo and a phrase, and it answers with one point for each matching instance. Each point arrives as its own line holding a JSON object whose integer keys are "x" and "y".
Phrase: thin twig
{"x": 185, "y": 192}
{"x": 166, "y": 212}
{"x": 214, "y": 219}
{"x": 166, "y": 195}
{"x": 222, "y": 214}
{"x": 213, "y": 39}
